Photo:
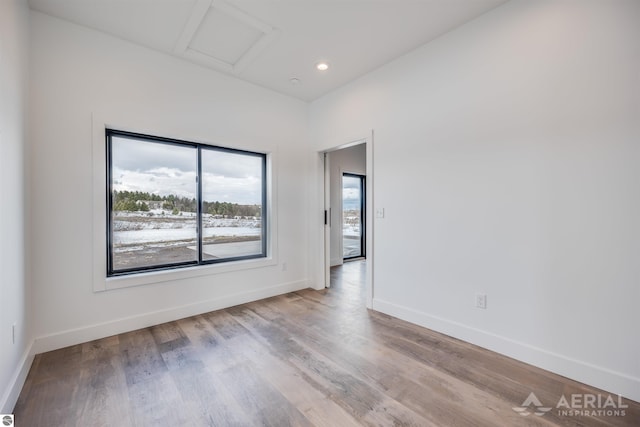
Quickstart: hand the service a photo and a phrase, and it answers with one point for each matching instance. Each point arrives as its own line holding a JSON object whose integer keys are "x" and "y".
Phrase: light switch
{"x": 380, "y": 213}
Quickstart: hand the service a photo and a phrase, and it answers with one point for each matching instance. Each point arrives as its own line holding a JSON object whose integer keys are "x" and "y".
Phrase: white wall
{"x": 77, "y": 73}
{"x": 14, "y": 290}
{"x": 506, "y": 159}
{"x": 347, "y": 160}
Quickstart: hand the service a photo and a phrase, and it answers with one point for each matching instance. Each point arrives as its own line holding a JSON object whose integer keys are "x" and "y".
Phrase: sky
{"x": 165, "y": 169}
{"x": 350, "y": 192}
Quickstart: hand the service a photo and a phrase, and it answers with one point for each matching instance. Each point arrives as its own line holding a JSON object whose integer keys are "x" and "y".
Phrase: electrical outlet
{"x": 284, "y": 266}
{"x": 481, "y": 301}
{"x": 380, "y": 213}
{"x": 13, "y": 333}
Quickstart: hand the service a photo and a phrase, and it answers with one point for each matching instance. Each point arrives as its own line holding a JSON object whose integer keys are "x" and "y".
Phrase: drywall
{"x": 79, "y": 75}
{"x": 506, "y": 159}
{"x": 347, "y": 160}
{"x": 14, "y": 291}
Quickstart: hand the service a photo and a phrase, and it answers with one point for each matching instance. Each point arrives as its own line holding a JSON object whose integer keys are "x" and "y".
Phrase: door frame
{"x": 322, "y": 200}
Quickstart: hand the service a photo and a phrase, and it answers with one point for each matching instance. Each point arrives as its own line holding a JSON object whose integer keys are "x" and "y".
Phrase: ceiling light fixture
{"x": 322, "y": 66}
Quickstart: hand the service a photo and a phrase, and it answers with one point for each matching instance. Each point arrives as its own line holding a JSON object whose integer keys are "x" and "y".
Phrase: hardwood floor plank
{"x": 200, "y": 332}
{"x": 101, "y": 379}
{"x": 156, "y": 401}
{"x": 437, "y": 397}
{"x": 49, "y": 403}
{"x": 207, "y": 399}
{"x": 365, "y": 403}
{"x": 53, "y": 388}
{"x": 224, "y": 325}
{"x": 257, "y": 398}
{"x": 166, "y": 332}
{"x": 201, "y": 387}
{"x": 142, "y": 360}
{"x": 315, "y": 406}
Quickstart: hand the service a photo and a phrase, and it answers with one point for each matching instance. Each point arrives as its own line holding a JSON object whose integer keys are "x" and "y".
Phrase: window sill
{"x": 138, "y": 279}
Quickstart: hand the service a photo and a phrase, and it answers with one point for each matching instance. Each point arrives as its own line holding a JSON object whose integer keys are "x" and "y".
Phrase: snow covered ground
{"x": 133, "y": 230}
{"x": 175, "y": 234}
{"x": 351, "y": 230}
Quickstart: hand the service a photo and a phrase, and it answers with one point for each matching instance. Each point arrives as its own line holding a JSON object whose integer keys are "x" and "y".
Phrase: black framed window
{"x": 173, "y": 203}
{"x": 353, "y": 216}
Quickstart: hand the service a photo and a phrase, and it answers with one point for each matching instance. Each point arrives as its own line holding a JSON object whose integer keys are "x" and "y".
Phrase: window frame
{"x": 363, "y": 214}
{"x": 110, "y": 132}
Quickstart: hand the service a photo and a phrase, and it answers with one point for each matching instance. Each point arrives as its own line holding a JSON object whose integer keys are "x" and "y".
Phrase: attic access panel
{"x": 223, "y": 36}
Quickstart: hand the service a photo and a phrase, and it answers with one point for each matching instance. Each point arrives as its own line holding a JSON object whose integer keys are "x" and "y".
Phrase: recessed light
{"x": 322, "y": 66}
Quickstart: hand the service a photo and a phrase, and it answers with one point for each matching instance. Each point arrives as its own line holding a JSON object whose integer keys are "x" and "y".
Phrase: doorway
{"x": 354, "y": 158}
{"x": 353, "y": 216}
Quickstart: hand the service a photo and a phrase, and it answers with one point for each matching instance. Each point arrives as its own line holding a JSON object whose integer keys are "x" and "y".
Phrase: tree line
{"x": 137, "y": 201}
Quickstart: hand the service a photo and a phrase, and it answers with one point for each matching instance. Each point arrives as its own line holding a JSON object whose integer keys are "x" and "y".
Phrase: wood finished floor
{"x": 308, "y": 358}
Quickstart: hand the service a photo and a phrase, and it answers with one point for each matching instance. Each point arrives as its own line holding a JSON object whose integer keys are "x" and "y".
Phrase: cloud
{"x": 181, "y": 184}
{"x": 350, "y": 188}
{"x": 137, "y": 155}
{"x": 350, "y": 194}
{"x": 234, "y": 190}
{"x": 230, "y": 164}
{"x": 165, "y": 169}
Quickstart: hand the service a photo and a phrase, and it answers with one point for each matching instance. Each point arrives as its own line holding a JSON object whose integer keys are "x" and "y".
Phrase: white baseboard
{"x": 118, "y": 326}
{"x": 10, "y": 397}
{"x": 596, "y": 376}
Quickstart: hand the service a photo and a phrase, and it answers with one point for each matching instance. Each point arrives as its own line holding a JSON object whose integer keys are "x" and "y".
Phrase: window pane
{"x": 153, "y": 202}
{"x": 232, "y": 194}
{"x": 352, "y": 230}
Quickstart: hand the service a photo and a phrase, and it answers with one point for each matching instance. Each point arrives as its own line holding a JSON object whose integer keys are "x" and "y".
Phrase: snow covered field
{"x": 157, "y": 228}
{"x": 351, "y": 230}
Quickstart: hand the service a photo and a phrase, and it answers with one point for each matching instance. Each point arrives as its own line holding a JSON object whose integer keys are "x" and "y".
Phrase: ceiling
{"x": 271, "y": 42}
